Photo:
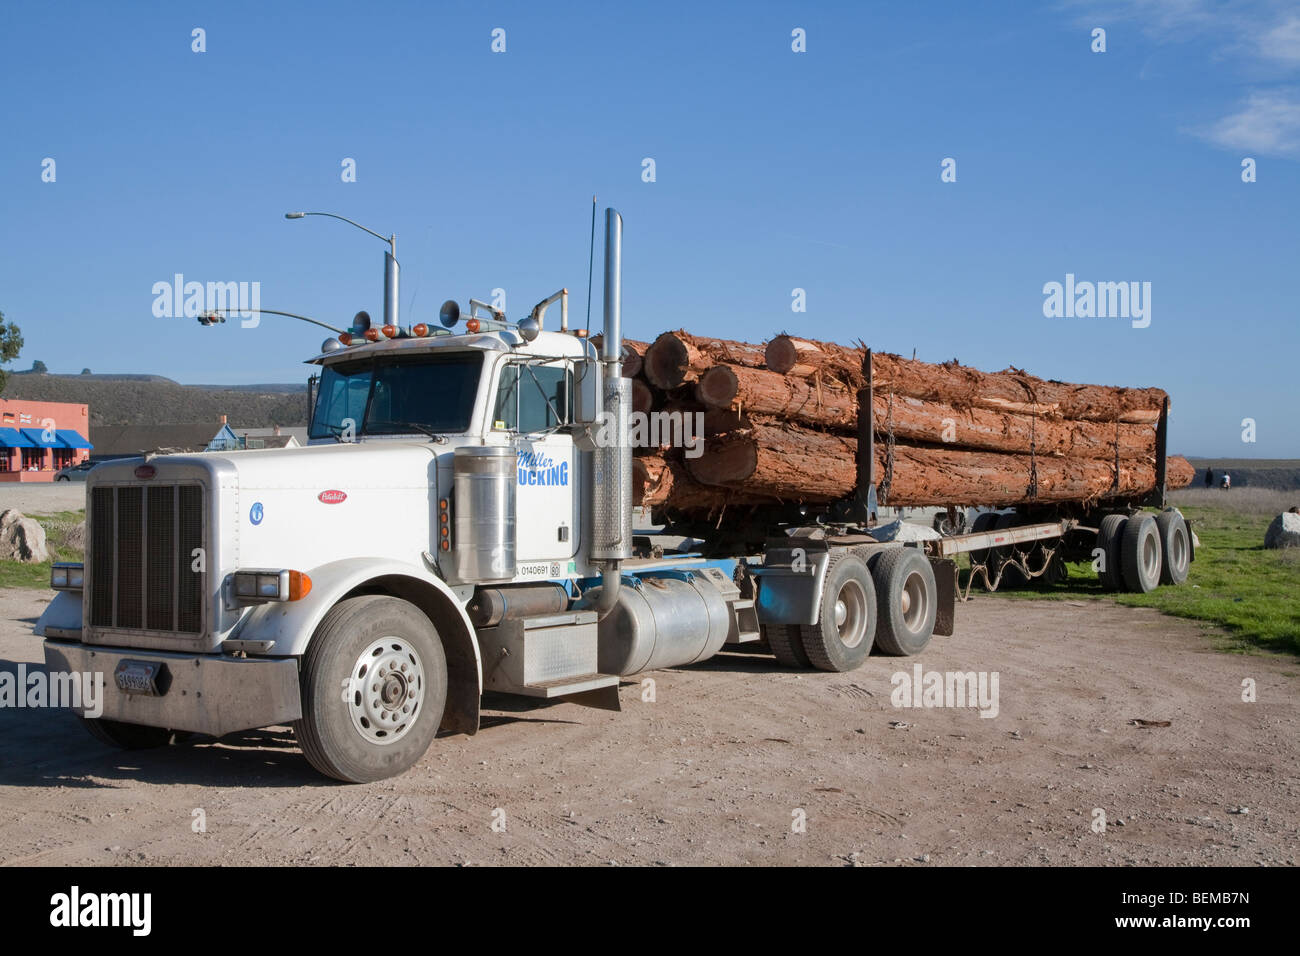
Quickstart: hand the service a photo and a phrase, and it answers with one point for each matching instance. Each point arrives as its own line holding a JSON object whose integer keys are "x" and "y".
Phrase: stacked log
{"x": 778, "y": 423}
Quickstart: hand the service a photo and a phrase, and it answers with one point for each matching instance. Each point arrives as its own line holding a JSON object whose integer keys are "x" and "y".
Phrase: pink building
{"x": 39, "y": 438}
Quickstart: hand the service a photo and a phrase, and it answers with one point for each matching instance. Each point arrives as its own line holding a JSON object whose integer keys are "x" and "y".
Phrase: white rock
{"x": 22, "y": 538}
{"x": 1284, "y": 532}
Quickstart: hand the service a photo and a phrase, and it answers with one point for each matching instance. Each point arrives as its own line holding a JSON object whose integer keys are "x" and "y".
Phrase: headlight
{"x": 260, "y": 586}
{"x": 67, "y": 576}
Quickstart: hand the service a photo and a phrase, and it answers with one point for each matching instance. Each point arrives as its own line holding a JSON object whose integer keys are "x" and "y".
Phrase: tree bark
{"x": 953, "y": 384}
{"x": 633, "y": 353}
{"x": 678, "y": 357}
{"x": 800, "y": 465}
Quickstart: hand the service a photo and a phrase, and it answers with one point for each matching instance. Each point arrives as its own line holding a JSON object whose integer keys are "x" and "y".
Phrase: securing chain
{"x": 889, "y": 453}
{"x": 1114, "y": 486}
{"x": 1033, "y": 455}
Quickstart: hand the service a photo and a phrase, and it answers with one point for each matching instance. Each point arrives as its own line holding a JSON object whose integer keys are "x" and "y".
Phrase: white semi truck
{"x": 461, "y": 522}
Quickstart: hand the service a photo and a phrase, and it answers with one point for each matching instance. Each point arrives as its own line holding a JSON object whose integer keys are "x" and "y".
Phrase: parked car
{"x": 76, "y": 472}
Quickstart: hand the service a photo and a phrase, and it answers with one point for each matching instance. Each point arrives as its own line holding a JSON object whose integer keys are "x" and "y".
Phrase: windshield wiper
{"x": 416, "y": 426}
{"x": 336, "y": 432}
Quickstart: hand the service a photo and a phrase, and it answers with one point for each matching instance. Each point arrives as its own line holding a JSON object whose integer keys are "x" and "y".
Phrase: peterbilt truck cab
{"x": 460, "y": 522}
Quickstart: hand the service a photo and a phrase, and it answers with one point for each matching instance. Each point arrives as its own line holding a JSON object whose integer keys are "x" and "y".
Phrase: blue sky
{"x": 775, "y": 170}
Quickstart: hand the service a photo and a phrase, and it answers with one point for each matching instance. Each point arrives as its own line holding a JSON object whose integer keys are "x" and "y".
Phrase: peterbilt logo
{"x": 332, "y": 497}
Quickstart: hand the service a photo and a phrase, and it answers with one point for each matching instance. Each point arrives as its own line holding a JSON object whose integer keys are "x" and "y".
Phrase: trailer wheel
{"x": 846, "y": 626}
{"x": 374, "y": 684}
{"x": 1109, "y": 536}
{"x": 907, "y": 598}
{"x": 1174, "y": 546}
{"x": 1140, "y": 554}
{"x": 786, "y": 644}
{"x": 124, "y": 736}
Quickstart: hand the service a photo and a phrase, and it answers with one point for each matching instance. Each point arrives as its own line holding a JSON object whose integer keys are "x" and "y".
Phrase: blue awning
{"x": 12, "y": 438}
{"x": 73, "y": 439}
{"x": 37, "y": 437}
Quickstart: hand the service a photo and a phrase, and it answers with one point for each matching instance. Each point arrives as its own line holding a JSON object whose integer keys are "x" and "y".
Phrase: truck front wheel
{"x": 374, "y": 684}
{"x": 126, "y": 736}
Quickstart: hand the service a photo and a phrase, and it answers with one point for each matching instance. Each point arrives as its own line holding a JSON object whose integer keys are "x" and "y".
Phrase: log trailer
{"x": 461, "y": 522}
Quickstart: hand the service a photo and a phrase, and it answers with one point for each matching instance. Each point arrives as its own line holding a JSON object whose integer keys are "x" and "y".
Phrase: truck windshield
{"x": 386, "y": 396}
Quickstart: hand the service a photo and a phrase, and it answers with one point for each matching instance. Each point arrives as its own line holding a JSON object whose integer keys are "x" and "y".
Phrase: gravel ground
{"x": 731, "y": 753}
{"x": 43, "y": 499}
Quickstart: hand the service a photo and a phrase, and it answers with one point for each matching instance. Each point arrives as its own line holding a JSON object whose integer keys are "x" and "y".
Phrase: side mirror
{"x": 587, "y": 404}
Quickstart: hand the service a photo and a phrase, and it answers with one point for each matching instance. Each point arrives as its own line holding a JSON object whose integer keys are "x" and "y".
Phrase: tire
{"x": 1175, "y": 547}
{"x": 846, "y": 623}
{"x": 907, "y": 601}
{"x": 126, "y": 736}
{"x": 1055, "y": 572}
{"x": 1109, "y": 536}
{"x": 1140, "y": 558}
{"x": 372, "y": 729}
{"x": 983, "y": 522}
{"x": 1012, "y": 576}
{"x": 63, "y": 478}
{"x": 786, "y": 644}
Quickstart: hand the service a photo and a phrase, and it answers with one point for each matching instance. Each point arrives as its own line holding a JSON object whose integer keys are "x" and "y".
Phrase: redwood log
{"x": 829, "y": 404}
{"x": 661, "y": 482}
{"x": 768, "y": 393}
{"x": 633, "y": 352}
{"x": 796, "y": 464}
{"x": 643, "y": 398}
{"x": 982, "y": 428}
{"x": 953, "y": 384}
{"x": 678, "y": 357}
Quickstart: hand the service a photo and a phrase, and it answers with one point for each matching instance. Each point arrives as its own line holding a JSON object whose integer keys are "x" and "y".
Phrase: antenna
{"x": 591, "y": 257}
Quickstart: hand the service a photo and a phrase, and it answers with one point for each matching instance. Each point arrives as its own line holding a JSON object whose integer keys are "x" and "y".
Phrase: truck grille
{"x": 142, "y": 541}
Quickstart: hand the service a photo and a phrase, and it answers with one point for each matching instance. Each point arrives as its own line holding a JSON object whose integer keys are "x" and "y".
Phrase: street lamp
{"x": 390, "y": 262}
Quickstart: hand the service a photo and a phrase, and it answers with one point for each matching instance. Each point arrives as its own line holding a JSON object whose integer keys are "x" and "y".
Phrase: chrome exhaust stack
{"x": 611, "y": 484}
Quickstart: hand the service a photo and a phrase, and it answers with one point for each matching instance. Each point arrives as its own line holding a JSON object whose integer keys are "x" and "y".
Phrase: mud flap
{"x": 945, "y": 581}
{"x": 602, "y": 698}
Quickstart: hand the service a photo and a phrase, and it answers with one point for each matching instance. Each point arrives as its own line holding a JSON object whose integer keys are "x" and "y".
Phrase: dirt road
{"x": 716, "y": 770}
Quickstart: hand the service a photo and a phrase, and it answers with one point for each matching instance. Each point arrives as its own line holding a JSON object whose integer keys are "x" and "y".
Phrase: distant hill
{"x": 1282, "y": 474}
{"x": 153, "y": 399}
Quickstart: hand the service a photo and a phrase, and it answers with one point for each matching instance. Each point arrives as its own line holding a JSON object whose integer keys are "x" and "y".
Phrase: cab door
{"x": 534, "y": 400}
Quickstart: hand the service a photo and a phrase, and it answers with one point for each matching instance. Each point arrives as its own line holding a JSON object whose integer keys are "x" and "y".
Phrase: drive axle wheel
{"x": 907, "y": 598}
{"x": 846, "y": 625}
{"x": 1140, "y": 561}
{"x": 1109, "y": 536}
{"x": 786, "y": 644}
{"x": 374, "y": 684}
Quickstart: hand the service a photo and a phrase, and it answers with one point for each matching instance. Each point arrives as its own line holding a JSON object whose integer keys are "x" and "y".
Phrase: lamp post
{"x": 390, "y": 262}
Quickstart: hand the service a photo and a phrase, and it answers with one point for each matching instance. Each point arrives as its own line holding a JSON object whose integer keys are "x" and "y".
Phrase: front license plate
{"x": 138, "y": 677}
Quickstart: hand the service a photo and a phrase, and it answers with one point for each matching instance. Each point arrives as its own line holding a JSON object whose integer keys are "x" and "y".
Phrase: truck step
{"x": 565, "y": 686}
{"x": 744, "y": 628}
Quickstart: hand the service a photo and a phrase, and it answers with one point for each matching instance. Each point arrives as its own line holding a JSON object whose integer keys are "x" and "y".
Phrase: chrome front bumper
{"x": 204, "y": 693}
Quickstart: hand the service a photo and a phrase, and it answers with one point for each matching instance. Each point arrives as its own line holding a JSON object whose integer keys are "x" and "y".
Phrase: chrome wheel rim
{"x": 384, "y": 690}
{"x": 1178, "y": 550}
{"x": 1151, "y": 555}
{"x": 914, "y": 601}
{"x": 851, "y": 614}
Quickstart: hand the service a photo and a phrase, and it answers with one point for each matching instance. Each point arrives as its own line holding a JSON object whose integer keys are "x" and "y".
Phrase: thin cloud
{"x": 1267, "y": 123}
{"x": 1249, "y": 33}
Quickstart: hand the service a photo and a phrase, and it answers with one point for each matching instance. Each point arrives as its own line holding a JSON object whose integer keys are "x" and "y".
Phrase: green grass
{"x": 1234, "y": 583}
{"x": 16, "y": 574}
